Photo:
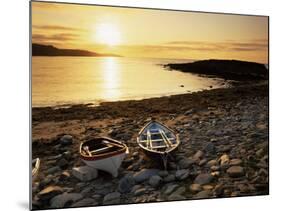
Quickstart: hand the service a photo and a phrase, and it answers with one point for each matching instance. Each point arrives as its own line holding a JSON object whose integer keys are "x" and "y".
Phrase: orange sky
{"x": 150, "y": 33}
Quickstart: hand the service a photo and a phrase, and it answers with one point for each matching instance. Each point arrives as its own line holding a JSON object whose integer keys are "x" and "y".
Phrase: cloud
{"x": 230, "y": 45}
{"x": 55, "y": 27}
{"x": 60, "y": 37}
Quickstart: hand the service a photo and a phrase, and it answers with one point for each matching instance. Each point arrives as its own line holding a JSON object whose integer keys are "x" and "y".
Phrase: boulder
{"x": 195, "y": 188}
{"x": 210, "y": 148}
{"x": 198, "y": 155}
{"x": 62, "y": 200}
{"x": 182, "y": 174}
{"x": 186, "y": 163}
{"x": 203, "y": 179}
{"x": 49, "y": 192}
{"x": 112, "y": 198}
{"x": 155, "y": 180}
{"x": 224, "y": 159}
{"x": 235, "y": 162}
{"x": 53, "y": 170}
{"x": 126, "y": 184}
{"x": 169, "y": 178}
{"x": 235, "y": 171}
{"x": 177, "y": 195}
{"x": 170, "y": 188}
{"x": 84, "y": 173}
{"x": 203, "y": 194}
{"x": 145, "y": 174}
{"x": 139, "y": 191}
{"x": 66, "y": 140}
{"x": 85, "y": 203}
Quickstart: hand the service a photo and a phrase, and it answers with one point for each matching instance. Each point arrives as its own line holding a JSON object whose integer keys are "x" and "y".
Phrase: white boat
{"x": 35, "y": 168}
{"x": 103, "y": 153}
{"x": 157, "y": 140}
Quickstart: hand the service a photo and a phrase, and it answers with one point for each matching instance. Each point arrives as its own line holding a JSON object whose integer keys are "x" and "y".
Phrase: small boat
{"x": 104, "y": 154}
{"x": 35, "y": 168}
{"x": 157, "y": 140}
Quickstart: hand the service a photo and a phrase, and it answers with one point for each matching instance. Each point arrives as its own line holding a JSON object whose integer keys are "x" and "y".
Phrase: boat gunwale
{"x": 123, "y": 149}
{"x": 154, "y": 151}
{"x": 35, "y": 170}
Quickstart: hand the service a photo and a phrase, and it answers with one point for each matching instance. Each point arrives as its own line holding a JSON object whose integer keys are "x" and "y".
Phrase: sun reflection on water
{"x": 111, "y": 77}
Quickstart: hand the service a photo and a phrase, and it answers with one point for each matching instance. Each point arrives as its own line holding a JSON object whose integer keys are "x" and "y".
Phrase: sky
{"x": 151, "y": 33}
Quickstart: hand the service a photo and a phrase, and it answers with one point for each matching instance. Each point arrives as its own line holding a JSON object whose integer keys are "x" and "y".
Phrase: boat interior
{"x": 158, "y": 138}
{"x": 98, "y": 147}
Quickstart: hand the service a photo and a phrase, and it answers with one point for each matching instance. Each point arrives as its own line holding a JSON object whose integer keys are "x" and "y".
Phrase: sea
{"x": 63, "y": 81}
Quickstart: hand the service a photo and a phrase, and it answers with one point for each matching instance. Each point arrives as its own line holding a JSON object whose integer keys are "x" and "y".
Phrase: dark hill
{"x": 49, "y": 50}
{"x": 227, "y": 69}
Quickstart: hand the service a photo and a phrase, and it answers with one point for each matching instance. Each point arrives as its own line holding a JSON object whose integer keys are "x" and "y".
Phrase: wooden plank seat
{"x": 104, "y": 149}
{"x": 156, "y": 140}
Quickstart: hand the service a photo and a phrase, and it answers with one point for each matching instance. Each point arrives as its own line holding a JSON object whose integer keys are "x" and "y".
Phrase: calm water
{"x": 72, "y": 80}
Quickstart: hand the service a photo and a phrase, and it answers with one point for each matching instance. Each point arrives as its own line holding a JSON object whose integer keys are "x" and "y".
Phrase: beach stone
{"x": 185, "y": 163}
{"x": 135, "y": 154}
{"x": 226, "y": 148}
{"x": 63, "y": 163}
{"x": 182, "y": 174}
{"x": 66, "y": 140}
{"x": 169, "y": 178}
{"x": 53, "y": 170}
{"x": 62, "y": 200}
{"x": 203, "y": 194}
{"x": 202, "y": 162}
{"x": 155, "y": 180}
{"x": 203, "y": 179}
{"x": 210, "y": 148}
{"x": 195, "y": 188}
{"x": 260, "y": 152}
{"x": 188, "y": 112}
{"x": 198, "y": 155}
{"x": 112, "y": 198}
{"x": 64, "y": 176}
{"x": 163, "y": 173}
{"x": 235, "y": 162}
{"x": 177, "y": 195}
{"x": 126, "y": 184}
{"x": 67, "y": 155}
{"x": 86, "y": 190}
{"x": 55, "y": 157}
{"x": 139, "y": 191}
{"x": 145, "y": 174}
{"x": 218, "y": 190}
{"x": 207, "y": 187}
{"x": 224, "y": 159}
{"x": 135, "y": 188}
{"x": 235, "y": 171}
{"x": 84, "y": 173}
{"x": 49, "y": 192}
{"x": 170, "y": 189}
{"x": 85, "y": 203}
{"x": 211, "y": 163}
{"x": 97, "y": 197}
{"x": 215, "y": 168}
{"x": 215, "y": 173}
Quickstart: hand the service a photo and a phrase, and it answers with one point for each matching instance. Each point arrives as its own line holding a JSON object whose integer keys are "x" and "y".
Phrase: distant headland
{"x": 49, "y": 50}
{"x": 227, "y": 69}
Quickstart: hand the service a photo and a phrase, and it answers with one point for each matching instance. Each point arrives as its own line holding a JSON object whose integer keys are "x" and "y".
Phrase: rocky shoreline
{"x": 223, "y": 151}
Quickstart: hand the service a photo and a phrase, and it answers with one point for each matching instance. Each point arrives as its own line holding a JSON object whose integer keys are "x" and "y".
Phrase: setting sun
{"x": 107, "y": 34}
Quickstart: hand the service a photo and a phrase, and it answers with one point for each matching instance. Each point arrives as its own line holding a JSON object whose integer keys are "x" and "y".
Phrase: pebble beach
{"x": 223, "y": 151}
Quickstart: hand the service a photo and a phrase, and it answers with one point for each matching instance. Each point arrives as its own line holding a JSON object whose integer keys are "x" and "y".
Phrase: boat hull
{"x": 104, "y": 154}
{"x": 35, "y": 169}
{"x": 158, "y": 142}
{"x": 110, "y": 164}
